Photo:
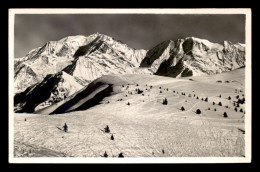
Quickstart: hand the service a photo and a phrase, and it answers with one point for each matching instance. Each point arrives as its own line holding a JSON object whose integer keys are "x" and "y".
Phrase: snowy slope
{"x": 52, "y": 89}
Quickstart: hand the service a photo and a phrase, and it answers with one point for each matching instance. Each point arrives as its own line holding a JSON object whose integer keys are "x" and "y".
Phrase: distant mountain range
{"x": 54, "y": 72}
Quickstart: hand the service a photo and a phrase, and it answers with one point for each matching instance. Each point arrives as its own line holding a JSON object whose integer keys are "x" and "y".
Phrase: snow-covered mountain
{"x": 54, "y": 88}
{"x": 192, "y": 57}
{"x": 50, "y": 74}
{"x": 84, "y": 57}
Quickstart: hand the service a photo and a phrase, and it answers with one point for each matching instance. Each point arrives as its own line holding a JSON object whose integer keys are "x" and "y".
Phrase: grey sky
{"x": 136, "y": 30}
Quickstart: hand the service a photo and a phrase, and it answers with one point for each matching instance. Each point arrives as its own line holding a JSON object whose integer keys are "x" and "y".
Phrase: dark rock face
{"x": 193, "y": 56}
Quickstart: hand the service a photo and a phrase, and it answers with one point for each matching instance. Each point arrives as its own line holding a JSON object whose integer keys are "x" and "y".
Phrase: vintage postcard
{"x": 130, "y": 85}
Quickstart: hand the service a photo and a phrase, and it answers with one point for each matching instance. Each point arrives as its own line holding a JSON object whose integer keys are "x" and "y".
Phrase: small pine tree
{"x": 165, "y": 101}
{"x": 237, "y": 96}
{"x": 128, "y": 103}
{"x": 105, "y": 155}
{"x": 197, "y": 97}
{"x": 25, "y": 119}
{"x": 163, "y": 151}
{"x": 213, "y": 103}
{"x": 173, "y": 91}
{"x": 65, "y": 128}
{"x": 120, "y": 155}
{"x": 112, "y": 137}
{"x": 202, "y": 99}
{"x": 206, "y": 99}
{"x": 123, "y": 86}
{"x": 229, "y": 98}
{"x": 107, "y": 130}
{"x": 237, "y": 104}
{"x": 241, "y": 110}
{"x": 225, "y": 115}
{"x": 198, "y": 111}
{"x": 182, "y": 108}
{"x": 151, "y": 87}
{"x": 160, "y": 91}
{"x": 160, "y": 87}
{"x": 220, "y": 96}
{"x": 137, "y": 85}
{"x": 235, "y": 109}
{"x": 208, "y": 108}
{"x": 220, "y": 104}
{"x": 215, "y": 109}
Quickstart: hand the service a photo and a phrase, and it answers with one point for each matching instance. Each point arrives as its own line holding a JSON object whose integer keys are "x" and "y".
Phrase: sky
{"x": 140, "y": 31}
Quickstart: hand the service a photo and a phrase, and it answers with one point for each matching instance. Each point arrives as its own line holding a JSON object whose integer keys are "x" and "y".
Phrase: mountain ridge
{"x": 83, "y": 59}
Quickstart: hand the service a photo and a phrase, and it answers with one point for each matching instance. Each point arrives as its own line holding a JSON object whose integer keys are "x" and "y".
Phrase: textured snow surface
{"x": 146, "y": 127}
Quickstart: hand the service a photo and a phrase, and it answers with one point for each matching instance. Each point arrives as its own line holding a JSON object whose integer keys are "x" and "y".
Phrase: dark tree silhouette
{"x": 151, "y": 87}
{"x": 237, "y": 96}
{"x": 198, "y": 111}
{"x": 165, "y": 102}
{"x": 137, "y": 85}
{"x": 120, "y": 155}
{"x": 160, "y": 91}
{"x": 235, "y": 109}
{"x": 229, "y": 98}
{"x": 139, "y": 91}
{"x": 108, "y": 102}
{"x": 206, "y": 99}
{"x": 208, "y": 108}
{"x": 107, "y": 130}
{"x": 238, "y": 105}
{"x": 197, "y": 97}
{"x": 25, "y": 119}
{"x": 202, "y": 99}
{"x": 105, "y": 155}
{"x": 123, "y": 86}
{"x": 182, "y": 108}
{"x": 163, "y": 151}
{"x": 220, "y": 96}
{"x": 213, "y": 103}
{"x": 128, "y": 103}
{"x": 173, "y": 91}
{"x": 225, "y": 115}
{"x": 241, "y": 110}
{"x": 65, "y": 128}
{"x": 220, "y": 104}
{"x": 215, "y": 109}
{"x": 112, "y": 137}
{"x": 160, "y": 87}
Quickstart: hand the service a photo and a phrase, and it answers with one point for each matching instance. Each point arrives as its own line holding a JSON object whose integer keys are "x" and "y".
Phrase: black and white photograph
{"x": 129, "y": 85}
